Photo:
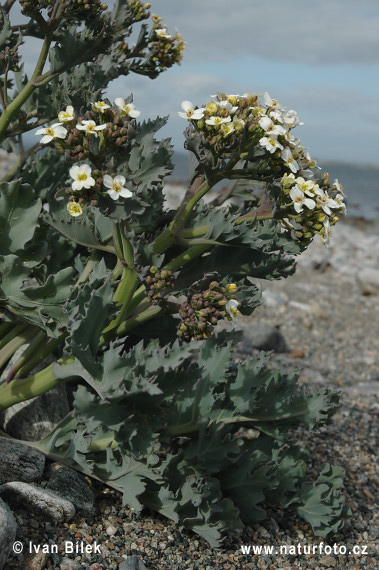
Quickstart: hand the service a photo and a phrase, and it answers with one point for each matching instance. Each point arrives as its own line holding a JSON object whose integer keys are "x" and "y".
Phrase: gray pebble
{"x": 19, "y": 462}
{"x": 132, "y": 563}
{"x": 35, "y": 499}
{"x": 8, "y": 528}
{"x": 69, "y": 484}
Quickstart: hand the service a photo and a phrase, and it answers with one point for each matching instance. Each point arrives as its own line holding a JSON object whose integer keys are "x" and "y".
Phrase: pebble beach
{"x": 327, "y": 319}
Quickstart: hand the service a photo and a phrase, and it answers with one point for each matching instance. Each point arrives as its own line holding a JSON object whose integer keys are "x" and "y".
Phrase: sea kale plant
{"x": 129, "y": 295}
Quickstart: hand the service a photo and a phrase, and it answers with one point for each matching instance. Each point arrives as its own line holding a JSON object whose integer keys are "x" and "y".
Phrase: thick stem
{"x": 15, "y": 331}
{"x": 30, "y": 387}
{"x": 10, "y": 348}
{"x": 167, "y": 238}
{"x": 129, "y": 324}
{"x": 39, "y": 355}
{"x": 14, "y": 106}
{"x": 28, "y": 352}
{"x": 186, "y": 257}
{"x": 123, "y": 295}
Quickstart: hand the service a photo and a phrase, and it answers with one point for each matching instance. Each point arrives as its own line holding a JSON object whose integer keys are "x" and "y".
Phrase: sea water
{"x": 360, "y": 184}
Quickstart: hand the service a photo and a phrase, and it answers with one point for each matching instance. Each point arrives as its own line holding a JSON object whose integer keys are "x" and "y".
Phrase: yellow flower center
{"x": 82, "y": 176}
{"x": 234, "y": 311}
{"x": 116, "y": 186}
{"x": 50, "y": 131}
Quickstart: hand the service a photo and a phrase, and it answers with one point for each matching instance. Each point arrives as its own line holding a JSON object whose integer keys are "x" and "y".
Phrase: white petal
{"x": 108, "y": 181}
{"x": 125, "y": 193}
{"x": 74, "y": 171}
{"x": 119, "y": 102}
{"x": 186, "y": 105}
{"x": 309, "y": 203}
{"x": 86, "y": 169}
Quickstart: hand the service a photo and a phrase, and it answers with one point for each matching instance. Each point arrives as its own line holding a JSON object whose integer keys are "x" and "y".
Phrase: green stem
{"x": 10, "y": 113}
{"x": 27, "y": 388}
{"x": 5, "y": 328}
{"x": 167, "y": 238}
{"x": 87, "y": 269}
{"x": 129, "y": 324}
{"x": 16, "y": 330}
{"x": 10, "y": 348}
{"x": 186, "y": 257}
{"x": 40, "y": 355}
{"x": 28, "y": 352}
{"x": 253, "y": 216}
{"x": 188, "y": 233}
{"x": 123, "y": 295}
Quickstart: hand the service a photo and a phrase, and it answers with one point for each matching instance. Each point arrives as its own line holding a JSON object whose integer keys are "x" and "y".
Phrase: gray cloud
{"x": 322, "y": 32}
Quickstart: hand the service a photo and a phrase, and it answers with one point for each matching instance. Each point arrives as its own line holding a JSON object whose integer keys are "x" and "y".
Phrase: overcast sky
{"x": 320, "y": 58}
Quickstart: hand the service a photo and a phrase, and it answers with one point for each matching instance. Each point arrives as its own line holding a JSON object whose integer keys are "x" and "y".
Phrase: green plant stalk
{"x": 33, "y": 386}
{"x": 191, "y": 198}
{"x": 123, "y": 295}
{"x": 10, "y": 348}
{"x": 129, "y": 324}
{"x": 39, "y": 355}
{"x": 87, "y": 269}
{"x": 186, "y": 257}
{"x": 16, "y": 330}
{"x": 5, "y": 328}
{"x": 28, "y": 352}
{"x": 9, "y": 114}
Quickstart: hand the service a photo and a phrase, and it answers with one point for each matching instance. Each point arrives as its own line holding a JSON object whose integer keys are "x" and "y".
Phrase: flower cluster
{"x": 80, "y": 9}
{"x": 166, "y": 50}
{"x": 102, "y": 130}
{"x": 228, "y": 122}
{"x": 158, "y": 283}
{"x": 311, "y": 207}
{"x": 139, "y": 10}
{"x": 202, "y": 311}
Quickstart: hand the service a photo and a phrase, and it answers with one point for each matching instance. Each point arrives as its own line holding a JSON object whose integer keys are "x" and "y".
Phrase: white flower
{"x": 325, "y": 201}
{"x": 269, "y": 126}
{"x": 276, "y": 115}
{"x": 210, "y": 107}
{"x": 55, "y": 131}
{"x": 238, "y": 124}
{"x": 292, "y": 119}
{"x": 90, "y": 127}
{"x": 116, "y": 187}
{"x": 340, "y": 201}
{"x": 189, "y": 112}
{"x": 74, "y": 209}
{"x": 299, "y": 200}
{"x": 326, "y": 233}
{"x": 231, "y": 309}
{"x": 127, "y": 109}
{"x": 81, "y": 176}
{"x": 100, "y": 106}
{"x": 162, "y": 33}
{"x": 67, "y": 116}
{"x": 306, "y": 186}
{"x": 338, "y": 186}
{"x": 228, "y": 106}
{"x": 270, "y": 143}
{"x": 271, "y": 102}
{"x": 227, "y": 129}
{"x": 218, "y": 121}
{"x": 289, "y": 160}
{"x": 288, "y": 180}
